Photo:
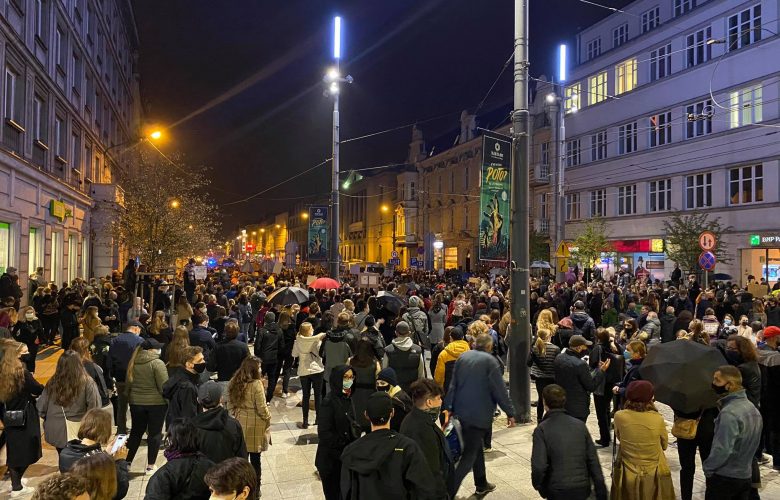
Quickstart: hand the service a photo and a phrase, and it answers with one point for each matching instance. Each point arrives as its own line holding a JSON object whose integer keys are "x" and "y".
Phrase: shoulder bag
{"x": 685, "y": 428}
{"x": 71, "y": 427}
{"x": 15, "y": 419}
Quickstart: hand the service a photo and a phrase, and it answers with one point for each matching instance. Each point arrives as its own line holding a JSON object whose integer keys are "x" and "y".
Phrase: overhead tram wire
{"x": 243, "y": 200}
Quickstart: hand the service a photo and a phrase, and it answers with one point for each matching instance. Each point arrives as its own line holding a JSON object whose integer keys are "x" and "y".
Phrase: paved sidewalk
{"x": 288, "y": 466}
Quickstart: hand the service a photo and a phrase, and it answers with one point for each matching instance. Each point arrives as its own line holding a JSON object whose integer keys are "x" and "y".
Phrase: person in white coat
{"x": 310, "y": 368}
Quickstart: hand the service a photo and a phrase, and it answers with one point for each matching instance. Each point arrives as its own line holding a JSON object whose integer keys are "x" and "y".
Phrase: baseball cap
{"x": 402, "y": 328}
{"x": 209, "y": 394}
{"x": 378, "y": 408}
{"x": 135, "y": 323}
{"x": 771, "y": 331}
{"x": 578, "y": 340}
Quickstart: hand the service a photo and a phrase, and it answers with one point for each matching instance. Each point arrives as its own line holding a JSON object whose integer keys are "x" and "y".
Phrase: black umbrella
{"x": 681, "y": 372}
{"x": 721, "y": 277}
{"x": 288, "y": 295}
{"x": 390, "y": 301}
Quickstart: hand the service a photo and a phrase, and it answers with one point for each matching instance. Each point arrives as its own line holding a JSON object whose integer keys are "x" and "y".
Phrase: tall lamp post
{"x": 334, "y": 80}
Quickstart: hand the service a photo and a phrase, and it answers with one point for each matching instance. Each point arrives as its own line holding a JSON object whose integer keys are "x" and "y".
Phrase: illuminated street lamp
{"x": 175, "y": 203}
{"x": 304, "y": 215}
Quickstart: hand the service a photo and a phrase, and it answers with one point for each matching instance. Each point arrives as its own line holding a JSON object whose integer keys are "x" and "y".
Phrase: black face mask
{"x": 24, "y": 358}
{"x": 383, "y": 388}
{"x": 734, "y": 357}
{"x": 720, "y": 390}
{"x": 199, "y": 367}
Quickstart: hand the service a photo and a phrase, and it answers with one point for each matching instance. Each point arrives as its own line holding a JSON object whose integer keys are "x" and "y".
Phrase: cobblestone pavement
{"x": 288, "y": 466}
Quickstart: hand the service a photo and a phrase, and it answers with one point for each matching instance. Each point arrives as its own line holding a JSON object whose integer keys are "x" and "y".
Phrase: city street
{"x": 289, "y": 472}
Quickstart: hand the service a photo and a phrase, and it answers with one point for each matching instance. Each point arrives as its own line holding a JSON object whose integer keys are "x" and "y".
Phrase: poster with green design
{"x": 495, "y": 198}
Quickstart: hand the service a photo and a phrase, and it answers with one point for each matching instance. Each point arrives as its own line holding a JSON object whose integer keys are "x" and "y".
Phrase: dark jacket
{"x": 219, "y": 435}
{"x": 336, "y": 424}
{"x": 180, "y": 479}
{"x": 120, "y": 352}
{"x": 372, "y": 335}
{"x": 751, "y": 381}
{"x": 226, "y": 358}
{"x": 573, "y": 374}
{"x": 583, "y": 325}
{"x": 402, "y": 405}
{"x": 419, "y": 427}
{"x": 562, "y": 336}
{"x": 76, "y": 451}
{"x": 564, "y": 457}
{"x": 668, "y": 333}
{"x": 181, "y": 391}
{"x": 476, "y": 388}
{"x": 269, "y": 345}
{"x": 631, "y": 375}
{"x": 289, "y": 335}
{"x": 386, "y": 465}
{"x": 202, "y": 337}
{"x": 23, "y": 444}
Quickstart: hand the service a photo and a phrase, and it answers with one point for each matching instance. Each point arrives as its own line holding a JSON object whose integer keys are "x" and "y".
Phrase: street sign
{"x": 563, "y": 250}
{"x": 413, "y": 262}
{"x": 200, "y": 272}
{"x": 563, "y": 266}
{"x": 395, "y": 262}
{"x": 394, "y": 254}
{"x": 707, "y": 241}
{"x": 707, "y": 261}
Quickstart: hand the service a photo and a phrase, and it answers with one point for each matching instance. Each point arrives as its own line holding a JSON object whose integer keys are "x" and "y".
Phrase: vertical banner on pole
{"x": 495, "y": 198}
{"x": 318, "y": 234}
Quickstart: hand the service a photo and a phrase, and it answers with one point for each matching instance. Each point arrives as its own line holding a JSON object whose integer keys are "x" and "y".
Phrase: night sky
{"x": 239, "y": 83}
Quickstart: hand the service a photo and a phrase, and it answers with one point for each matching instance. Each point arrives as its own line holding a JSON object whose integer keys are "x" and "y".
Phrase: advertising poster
{"x": 495, "y": 199}
{"x": 318, "y": 234}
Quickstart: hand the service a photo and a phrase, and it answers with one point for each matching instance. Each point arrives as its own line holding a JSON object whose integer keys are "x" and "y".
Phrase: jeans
{"x": 727, "y": 488}
{"x": 541, "y": 383}
{"x": 602, "y": 404}
{"x": 121, "y": 408}
{"x": 307, "y": 383}
{"x": 272, "y": 370}
{"x": 473, "y": 458}
{"x": 287, "y": 372}
{"x": 147, "y": 419}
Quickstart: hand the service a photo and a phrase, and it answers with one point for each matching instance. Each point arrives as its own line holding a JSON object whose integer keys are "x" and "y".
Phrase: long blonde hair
{"x": 177, "y": 347}
{"x": 11, "y": 370}
{"x": 158, "y": 323}
{"x": 545, "y": 321}
{"x": 542, "y": 337}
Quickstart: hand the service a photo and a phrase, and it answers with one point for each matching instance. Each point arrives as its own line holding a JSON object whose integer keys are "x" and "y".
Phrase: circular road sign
{"x": 707, "y": 241}
{"x": 394, "y": 254}
{"x": 707, "y": 261}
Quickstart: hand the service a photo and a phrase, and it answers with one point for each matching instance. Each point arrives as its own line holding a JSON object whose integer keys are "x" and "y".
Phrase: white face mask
{"x": 29, "y": 315}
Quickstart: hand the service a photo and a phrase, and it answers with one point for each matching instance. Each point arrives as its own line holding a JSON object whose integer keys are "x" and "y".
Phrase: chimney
{"x": 416, "y": 147}
{"x": 468, "y": 127}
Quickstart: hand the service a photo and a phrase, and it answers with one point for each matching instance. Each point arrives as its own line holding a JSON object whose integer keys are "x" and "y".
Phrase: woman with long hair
{"x": 18, "y": 390}
{"x": 81, "y": 346}
{"x": 183, "y": 312}
{"x": 696, "y": 332}
{"x": 174, "y": 353}
{"x": 99, "y": 470}
{"x": 92, "y": 325}
{"x": 310, "y": 368}
{"x": 287, "y": 324}
{"x": 8, "y": 318}
{"x": 158, "y": 328}
{"x": 28, "y": 330}
{"x": 366, "y": 368}
{"x": 541, "y": 360}
{"x": 605, "y": 349}
{"x": 545, "y": 322}
{"x": 437, "y": 317}
{"x": 246, "y": 403}
{"x": 641, "y": 470}
{"x": 68, "y": 395}
{"x": 146, "y": 375}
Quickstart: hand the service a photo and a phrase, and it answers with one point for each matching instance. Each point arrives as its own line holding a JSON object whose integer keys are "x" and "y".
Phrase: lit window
{"x": 572, "y": 98}
{"x": 746, "y": 106}
{"x": 625, "y": 76}
{"x": 598, "y": 87}
{"x": 746, "y": 185}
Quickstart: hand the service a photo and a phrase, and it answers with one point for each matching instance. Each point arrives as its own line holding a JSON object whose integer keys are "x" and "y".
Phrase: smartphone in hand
{"x": 120, "y": 441}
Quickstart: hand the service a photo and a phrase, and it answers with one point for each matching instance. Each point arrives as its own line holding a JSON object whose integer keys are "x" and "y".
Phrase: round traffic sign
{"x": 707, "y": 261}
{"x": 394, "y": 254}
{"x": 707, "y": 241}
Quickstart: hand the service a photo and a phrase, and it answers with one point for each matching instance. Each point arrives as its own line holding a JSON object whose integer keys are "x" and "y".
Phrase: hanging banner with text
{"x": 318, "y": 233}
{"x": 495, "y": 198}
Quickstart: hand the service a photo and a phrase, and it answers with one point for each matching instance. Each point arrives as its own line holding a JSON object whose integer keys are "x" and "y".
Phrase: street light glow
{"x": 550, "y": 98}
{"x": 562, "y": 63}
{"x": 278, "y": 226}
{"x": 385, "y": 208}
{"x": 334, "y": 88}
{"x": 337, "y": 38}
{"x": 175, "y": 204}
{"x": 155, "y": 135}
{"x": 304, "y": 215}
{"x": 332, "y": 75}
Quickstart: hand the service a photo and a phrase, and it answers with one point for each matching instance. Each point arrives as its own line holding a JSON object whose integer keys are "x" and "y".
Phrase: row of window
{"x": 745, "y": 186}
{"x": 743, "y": 29}
{"x": 77, "y": 261}
{"x": 745, "y": 108}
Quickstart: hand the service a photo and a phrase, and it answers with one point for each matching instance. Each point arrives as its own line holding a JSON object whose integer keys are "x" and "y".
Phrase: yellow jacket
{"x": 450, "y": 353}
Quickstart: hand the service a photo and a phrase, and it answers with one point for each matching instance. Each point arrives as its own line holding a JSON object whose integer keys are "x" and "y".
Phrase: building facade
{"x": 69, "y": 98}
{"x": 678, "y": 109}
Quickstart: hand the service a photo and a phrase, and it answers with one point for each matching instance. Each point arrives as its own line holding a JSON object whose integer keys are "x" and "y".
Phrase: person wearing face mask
{"x": 744, "y": 329}
{"x": 27, "y": 330}
{"x": 181, "y": 389}
{"x": 146, "y": 376}
{"x": 770, "y": 394}
{"x": 387, "y": 381}
{"x": 576, "y": 378}
{"x": 634, "y": 354}
{"x": 421, "y": 425}
{"x": 729, "y": 467}
{"x": 336, "y": 429}
{"x": 740, "y": 352}
{"x": 232, "y": 479}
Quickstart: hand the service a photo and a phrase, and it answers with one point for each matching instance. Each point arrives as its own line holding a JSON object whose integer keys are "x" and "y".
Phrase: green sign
{"x": 765, "y": 240}
{"x": 495, "y": 199}
{"x": 755, "y": 239}
{"x": 318, "y": 233}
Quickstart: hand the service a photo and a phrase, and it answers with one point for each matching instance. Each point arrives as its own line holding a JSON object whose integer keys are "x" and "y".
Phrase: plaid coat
{"x": 254, "y": 417}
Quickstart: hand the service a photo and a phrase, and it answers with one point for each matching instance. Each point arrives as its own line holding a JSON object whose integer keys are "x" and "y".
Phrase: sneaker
{"x": 285, "y": 395}
{"x": 484, "y": 490}
{"x": 150, "y": 469}
{"x": 25, "y": 491}
{"x": 302, "y": 425}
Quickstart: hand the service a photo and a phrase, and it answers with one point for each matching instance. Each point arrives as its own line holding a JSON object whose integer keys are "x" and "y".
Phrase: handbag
{"x": 71, "y": 427}
{"x": 685, "y": 428}
{"x": 15, "y": 419}
{"x": 454, "y": 435}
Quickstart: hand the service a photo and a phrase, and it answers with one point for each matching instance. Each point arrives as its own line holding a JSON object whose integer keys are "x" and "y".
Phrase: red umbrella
{"x": 325, "y": 283}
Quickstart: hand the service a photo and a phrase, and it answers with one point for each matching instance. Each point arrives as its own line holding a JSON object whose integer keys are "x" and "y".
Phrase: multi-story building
{"x": 69, "y": 100}
{"x": 678, "y": 109}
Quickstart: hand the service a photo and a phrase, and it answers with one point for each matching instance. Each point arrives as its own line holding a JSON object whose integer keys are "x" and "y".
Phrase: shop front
{"x": 761, "y": 257}
{"x": 640, "y": 258}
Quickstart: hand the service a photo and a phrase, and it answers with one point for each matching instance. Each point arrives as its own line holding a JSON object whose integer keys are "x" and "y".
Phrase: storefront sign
{"x": 635, "y": 246}
{"x": 765, "y": 240}
{"x": 318, "y": 233}
{"x": 656, "y": 246}
{"x": 495, "y": 199}
{"x": 57, "y": 210}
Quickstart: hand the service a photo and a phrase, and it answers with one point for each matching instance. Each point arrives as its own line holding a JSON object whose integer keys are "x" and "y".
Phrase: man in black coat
{"x": 219, "y": 435}
{"x": 668, "y": 319}
{"x": 564, "y": 463}
{"x": 269, "y": 347}
{"x": 384, "y": 464}
{"x": 201, "y": 336}
{"x": 583, "y": 324}
{"x": 573, "y": 374}
{"x": 421, "y": 426}
{"x": 228, "y": 355}
{"x": 181, "y": 388}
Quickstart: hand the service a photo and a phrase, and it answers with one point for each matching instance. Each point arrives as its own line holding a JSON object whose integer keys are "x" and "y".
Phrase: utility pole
{"x": 520, "y": 335}
{"x": 333, "y": 267}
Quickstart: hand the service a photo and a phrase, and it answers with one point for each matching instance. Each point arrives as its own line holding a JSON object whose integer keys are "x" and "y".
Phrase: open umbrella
{"x": 721, "y": 277}
{"x": 390, "y": 301}
{"x": 325, "y": 283}
{"x": 288, "y": 295}
{"x": 681, "y": 372}
{"x": 540, "y": 264}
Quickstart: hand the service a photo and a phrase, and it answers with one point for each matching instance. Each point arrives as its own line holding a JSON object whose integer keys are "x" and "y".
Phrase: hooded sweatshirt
{"x": 450, "y": 354}
{"x": 181, "y": 391}
{"x": 335, "y": 350}
{"x": 219, "y": 435}
{"x": 385, "y": 465}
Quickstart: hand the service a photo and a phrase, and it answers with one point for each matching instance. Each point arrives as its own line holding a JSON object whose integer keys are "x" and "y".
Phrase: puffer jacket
{"x": 583, "y": 325}
{"x": 450, "y": 354}
{"x": 181, "y": 478}
{"x": 307, "y": 349}
{"x": 149, "y": 377}
{"x": 653, "y": 329}
{"x": 573, "y": 374}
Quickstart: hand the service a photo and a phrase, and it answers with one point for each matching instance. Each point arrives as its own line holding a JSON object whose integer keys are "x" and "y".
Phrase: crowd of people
{"x": 406, "y": 380}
